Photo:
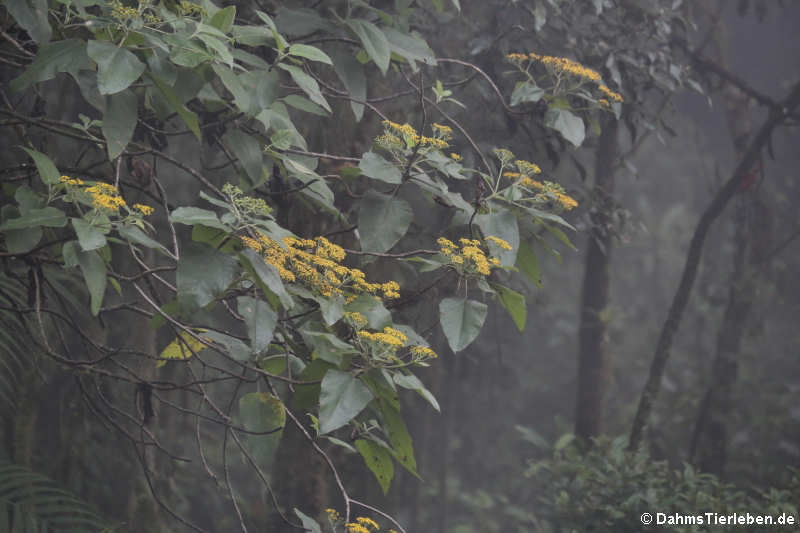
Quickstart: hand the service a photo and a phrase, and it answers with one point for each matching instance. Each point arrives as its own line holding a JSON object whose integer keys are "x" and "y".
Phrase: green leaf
{"x": 117, "y": 67}
{"x": 461, "y": 321}
{"x": 223, "y": 19}
{"x": 374, "y": 41}
{"x": 302, "y": 21}
{"x": 34, "y": 21}
{"x": 203, "y": 274}
{"x": 395, "y": 428}
{"x": 44, "y": 165}
{"x": 260, "y": 319}
{"x": 20, "y": 241}
{"x": 412, "y": 47}
{"x": 308, "y": 523}
{"x": 376, "y": 167}
{"x": 28, "y": 199}
{"x": 526, "y": 92}
{"x": 327, "y": 346}
{"x": 332, "y": 309}
{"x": 61, "y": 56}
{"x": 247, "y": 149}
{"x": 262, "y": 412}
{"x": 303, "y": 104}
{"x": 268, "y": 276}
{"x": 47, "y": 216}
{"x": 90, "y": 237}
{"x": 514, "y": 303}
{"x": 241, "y": 96}
{"x": 189, "y": 117}
{"x": 352, "y": 75}
{"x": 277, "y": 118}
{"x": 382, "y": 221}
{"x": 308, "y": 84}
{"x": 412, "y": 382}
{"x": 378, "y": 460}
{"x": 309, "y": 52}
{"x": 195, "y": 215}
{"x": 342, "y": 397}
{"x": 373, "y": 310}
{"x": 94, "y": 273}
{"x": 502, "y": 224}
{"x": 119, "y": 121}
{"x": 566, "y": 123}
{"x": 237, "y": 349}
{"x": 137, "y": 236}
{"x": 561, "y": 236}
{"x": 528, "y": 263}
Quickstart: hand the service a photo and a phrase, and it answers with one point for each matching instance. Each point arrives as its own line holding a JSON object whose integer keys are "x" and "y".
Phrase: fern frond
{"x": 31, "y": 501}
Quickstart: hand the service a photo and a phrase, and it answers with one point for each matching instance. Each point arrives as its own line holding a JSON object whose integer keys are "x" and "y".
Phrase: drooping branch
{"x": 680, "y": 300}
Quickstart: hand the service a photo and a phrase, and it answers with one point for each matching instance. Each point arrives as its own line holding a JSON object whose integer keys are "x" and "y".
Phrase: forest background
{"x": 172, "y": 362}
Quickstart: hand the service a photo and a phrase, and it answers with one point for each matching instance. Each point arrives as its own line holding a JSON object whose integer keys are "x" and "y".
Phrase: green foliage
{"x": 246, "y": 285}
{"x": 607, "y": 488}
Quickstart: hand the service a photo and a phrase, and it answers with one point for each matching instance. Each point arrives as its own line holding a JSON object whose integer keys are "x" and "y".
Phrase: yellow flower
{"x": 367, "y": 522}
{"x": 499, "y": 242}
{"x": 70, "y": 181}
{"x": 353, "y": 527}
{"x": 356, "y": 319}
{"x": 445, "y": 131}
{"x": 608, "y": 92}
{"x": 567, "y": 202}
{"x": 505, "y": 156}
{"x": 527, "y": 168}
{"x": 144, "y": 209}
{"x": 456, "y": 157}
{"x": 423, "y": 351}
{"x": 562, "y": 64}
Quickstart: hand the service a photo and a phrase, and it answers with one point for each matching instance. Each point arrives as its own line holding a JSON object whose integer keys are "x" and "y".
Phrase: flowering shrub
{"x": 262, "y": 281}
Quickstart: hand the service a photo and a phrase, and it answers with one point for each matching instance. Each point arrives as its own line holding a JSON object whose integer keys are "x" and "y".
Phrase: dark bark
{"x": 593, "y": 357}
{"x": 681, "y": 298}
{"x": 753, "y": 237}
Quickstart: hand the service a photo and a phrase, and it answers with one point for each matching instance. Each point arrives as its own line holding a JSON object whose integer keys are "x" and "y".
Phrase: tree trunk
{"x": 593, "y": 358}
{"x": 709, "y": 446}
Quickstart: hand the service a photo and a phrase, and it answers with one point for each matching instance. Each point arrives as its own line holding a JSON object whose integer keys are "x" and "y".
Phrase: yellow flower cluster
{"x": 356, "y": 319}
{"x": 423, "y": 351}
{"x": 412, "y": 137}
{"x": 190, "y": 8}
{"x": 246, "y": 204}
{"x": 562, "y": 64}
{"x": 505, "y": 156}
{"x": 456, "y": 157}
{"x": 470, "y": 256}
{"x": 367, "y": 522}
{"x": 333, "y": 515}
{"x": 445, "y": 132}
{"x": 361, "y": 525}
{"x": 316, "y": 263}
{"x": 548, "y": 188}
{"x": 105, "y": 196}
{"x": 608, "y": 92}
{"x": 121, "y": 12}
{"x": 392, "y": 338}
{"x": 527, "y": 168}
{"x": 75, "y": 182}
{"x": 499, "y": 242}
{"x": 144, "y": 209}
